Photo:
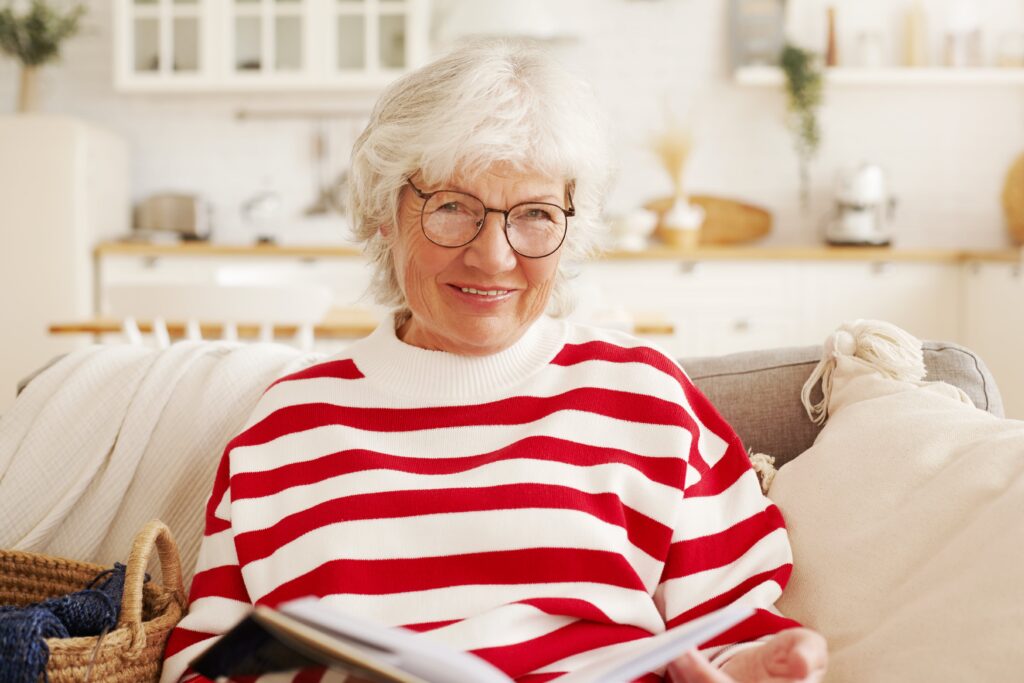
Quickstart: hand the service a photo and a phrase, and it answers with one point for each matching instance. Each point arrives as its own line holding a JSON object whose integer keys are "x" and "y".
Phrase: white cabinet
{"x": 994, "y": 326}
{"x": 922, "y": 298}
{"x": 253, "y": 45}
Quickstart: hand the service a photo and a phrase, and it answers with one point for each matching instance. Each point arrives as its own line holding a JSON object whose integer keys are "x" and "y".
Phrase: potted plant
{"x": 34, "y": 39}
{"x": 804, "y": 90}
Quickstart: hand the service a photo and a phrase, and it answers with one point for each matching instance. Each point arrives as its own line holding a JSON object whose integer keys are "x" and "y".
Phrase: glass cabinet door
{"x": 269, "y": 37}
{"x": 164, "y": 40}
{"x": 373, "y": 37}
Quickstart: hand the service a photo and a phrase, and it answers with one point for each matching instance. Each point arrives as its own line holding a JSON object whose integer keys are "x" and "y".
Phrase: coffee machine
{"x": 864, "y": 209}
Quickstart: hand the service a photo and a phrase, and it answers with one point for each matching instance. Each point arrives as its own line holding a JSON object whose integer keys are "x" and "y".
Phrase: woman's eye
{"x": 537, "y": 214}
{"x": 450, "y": 206}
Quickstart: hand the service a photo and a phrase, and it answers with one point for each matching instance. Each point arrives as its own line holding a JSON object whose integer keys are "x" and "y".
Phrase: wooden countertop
{"x": 340, "y": 323}
{"x": 724, "y": 253}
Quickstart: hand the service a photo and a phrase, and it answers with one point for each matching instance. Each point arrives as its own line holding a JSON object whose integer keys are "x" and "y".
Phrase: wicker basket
{"x": 132, "y": 652}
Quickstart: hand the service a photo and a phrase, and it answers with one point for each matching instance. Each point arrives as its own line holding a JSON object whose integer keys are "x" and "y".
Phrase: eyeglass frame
{"x": 425, "y": 196}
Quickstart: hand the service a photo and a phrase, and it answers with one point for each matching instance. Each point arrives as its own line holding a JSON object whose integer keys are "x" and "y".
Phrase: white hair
{"x": 493, "y": 101}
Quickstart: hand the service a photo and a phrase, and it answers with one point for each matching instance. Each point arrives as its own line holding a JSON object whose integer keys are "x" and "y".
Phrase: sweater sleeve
{"x": 729, "y": 544}
{"x": 218, "y": 598}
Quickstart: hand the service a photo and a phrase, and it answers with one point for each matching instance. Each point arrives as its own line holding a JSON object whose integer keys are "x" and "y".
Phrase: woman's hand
{"x": 796, "y": 655}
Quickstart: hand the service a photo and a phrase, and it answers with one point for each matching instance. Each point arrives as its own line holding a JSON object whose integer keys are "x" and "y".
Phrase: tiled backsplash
{"x": 946, "y": 148}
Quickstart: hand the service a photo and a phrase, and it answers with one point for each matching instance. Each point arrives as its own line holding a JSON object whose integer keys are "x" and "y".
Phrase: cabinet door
{"x": 269, "y": 42}
{"x": 373, "y": 41}
{"x": 994, "y": 327}
{"x": 714, "y": 307}
{"x": 164, "y": 44}
{"x": 922, "y": 298}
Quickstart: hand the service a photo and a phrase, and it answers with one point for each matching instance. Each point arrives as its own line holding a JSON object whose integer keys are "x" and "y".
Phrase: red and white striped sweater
{"x": 535, "y": 507}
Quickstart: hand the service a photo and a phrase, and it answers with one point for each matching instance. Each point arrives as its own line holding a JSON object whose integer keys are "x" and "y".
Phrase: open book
{"x": 306, "y": 633}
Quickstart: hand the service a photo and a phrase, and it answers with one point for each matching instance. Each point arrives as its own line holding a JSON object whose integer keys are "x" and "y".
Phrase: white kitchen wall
{"x": 947, "y": 148}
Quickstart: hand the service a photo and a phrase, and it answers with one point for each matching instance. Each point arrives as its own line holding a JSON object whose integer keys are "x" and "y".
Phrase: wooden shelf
{"x": 655, "y": 252}
{"x": 767, "y": 76}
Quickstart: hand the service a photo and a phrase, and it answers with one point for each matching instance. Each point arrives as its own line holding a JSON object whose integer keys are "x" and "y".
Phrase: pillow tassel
{"x": 887, "y": 349}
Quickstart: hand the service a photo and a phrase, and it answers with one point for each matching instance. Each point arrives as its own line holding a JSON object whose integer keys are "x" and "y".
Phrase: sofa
{"x": 164, "y": 417}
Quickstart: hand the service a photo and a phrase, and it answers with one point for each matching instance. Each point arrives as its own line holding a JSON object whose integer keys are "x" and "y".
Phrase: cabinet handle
{"x": 880, "y": 267}
{"x": 741, "y": 325}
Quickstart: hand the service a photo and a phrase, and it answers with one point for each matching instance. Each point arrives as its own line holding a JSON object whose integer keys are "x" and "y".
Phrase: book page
{"x": 634, "y": 659}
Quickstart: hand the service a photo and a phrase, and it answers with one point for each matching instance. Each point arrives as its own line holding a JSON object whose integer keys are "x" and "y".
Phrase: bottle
{"x": 915, "y": 46}
{"x": 832, "y": 47}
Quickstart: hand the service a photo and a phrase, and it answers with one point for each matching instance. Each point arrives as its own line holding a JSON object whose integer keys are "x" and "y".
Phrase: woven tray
{"x": 131, "y": 653}
{"x": 726, "y": 222}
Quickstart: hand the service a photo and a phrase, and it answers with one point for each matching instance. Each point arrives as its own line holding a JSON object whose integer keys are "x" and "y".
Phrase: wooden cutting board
{"x": 727, "y": 221}
{"x": 1013, "y": 200}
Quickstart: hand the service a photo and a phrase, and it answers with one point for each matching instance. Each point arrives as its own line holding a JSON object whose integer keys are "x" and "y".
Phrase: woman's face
{"x": 435, "y": 279}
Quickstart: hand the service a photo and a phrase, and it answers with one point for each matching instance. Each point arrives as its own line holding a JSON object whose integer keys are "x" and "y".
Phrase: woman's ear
{"x": 387, "y": 231}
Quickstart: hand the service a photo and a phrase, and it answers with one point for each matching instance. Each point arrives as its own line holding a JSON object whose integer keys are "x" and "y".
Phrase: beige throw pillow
{"x": 907, "y": 521}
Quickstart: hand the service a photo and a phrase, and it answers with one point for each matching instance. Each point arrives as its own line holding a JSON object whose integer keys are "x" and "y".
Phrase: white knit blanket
{"x": 112, "y": 436}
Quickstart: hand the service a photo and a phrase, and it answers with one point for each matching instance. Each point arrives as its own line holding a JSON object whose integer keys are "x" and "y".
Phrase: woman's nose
{"x": 490, "y": 251}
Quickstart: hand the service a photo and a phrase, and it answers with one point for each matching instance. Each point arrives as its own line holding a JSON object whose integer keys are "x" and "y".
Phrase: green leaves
{"x": 804, "y": 88}
{"x": 34, "y": 38}
{"x": 804, "y": 85}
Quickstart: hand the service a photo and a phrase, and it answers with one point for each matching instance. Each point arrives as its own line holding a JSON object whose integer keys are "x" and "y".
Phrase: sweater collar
{"x": 404, "y": 369}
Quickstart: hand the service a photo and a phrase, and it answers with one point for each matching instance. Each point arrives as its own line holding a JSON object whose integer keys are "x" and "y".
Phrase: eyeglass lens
{"x": 452, "y": 219}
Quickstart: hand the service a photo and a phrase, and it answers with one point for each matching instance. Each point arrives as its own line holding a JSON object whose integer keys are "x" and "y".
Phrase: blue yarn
{"x": 23, "y": 630}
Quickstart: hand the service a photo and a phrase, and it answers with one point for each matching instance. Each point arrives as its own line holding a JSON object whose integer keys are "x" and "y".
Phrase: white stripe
{"x": 657, "y": 501}
{"x": 551, "y": 381}
{"x": 705, "y": 515}
{"x": 622, "y": 605}
{"x": 665, "y": 441}
{"x": 686, "y": 592}
{"x": 508, "y": 625}
{"x": 216, "y": 550}
{"x": 213, "y": 614}
{"x": 445, "y": 535}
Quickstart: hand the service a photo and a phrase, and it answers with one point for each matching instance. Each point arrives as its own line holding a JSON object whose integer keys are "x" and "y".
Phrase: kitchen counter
{"x": 723, "y": 253}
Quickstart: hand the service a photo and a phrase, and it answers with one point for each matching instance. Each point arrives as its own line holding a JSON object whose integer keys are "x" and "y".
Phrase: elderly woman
{"x": 511, "y": 484}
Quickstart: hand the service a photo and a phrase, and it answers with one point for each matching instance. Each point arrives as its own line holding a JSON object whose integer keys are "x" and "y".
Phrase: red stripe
{"x": 517, "y": 410}
{"x": 569, "y": 607}
{"x": 726, "y": 472}
{"x": 182, "y": 638}
{"x": 506, "y": 567}
{"x": 522, "y": 658}
{"x": 336, "y": 369}
{"x": 543, "y": 678}
{"x": 221, "y": 480}
{"x": 725, "y": 547}
{"x": 762, "y": 623}
{"x": 220, "y": 582}
{"x": 664, "y": 470}
{"x": 430, "y": 625}
{"x": 310, "y": 675}
{"x": 780, "y": 575}
{"x": 573, "y": 354}
{"x": 644, "y": 532}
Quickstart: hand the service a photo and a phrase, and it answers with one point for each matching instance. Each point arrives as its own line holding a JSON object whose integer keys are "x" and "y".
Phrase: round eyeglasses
{"x": 454, "y": 219}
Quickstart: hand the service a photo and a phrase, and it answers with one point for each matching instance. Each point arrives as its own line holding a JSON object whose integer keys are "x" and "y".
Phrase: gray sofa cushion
{"x": 758, "y": 392}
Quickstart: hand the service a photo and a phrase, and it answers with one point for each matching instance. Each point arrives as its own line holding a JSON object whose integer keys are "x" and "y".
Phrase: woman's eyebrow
{"x": 543, "y": 198}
